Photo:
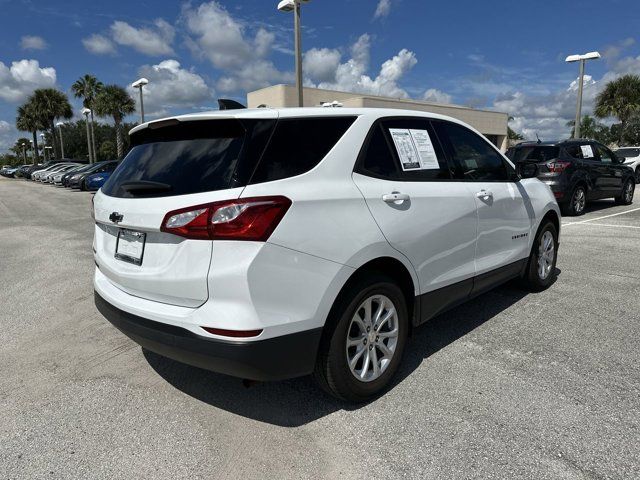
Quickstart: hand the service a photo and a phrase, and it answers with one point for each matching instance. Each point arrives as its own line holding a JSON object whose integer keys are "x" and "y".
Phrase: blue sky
{"x": 502, "y": 55}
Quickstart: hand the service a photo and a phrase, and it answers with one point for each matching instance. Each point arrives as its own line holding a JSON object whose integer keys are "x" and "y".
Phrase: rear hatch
{"x": 172, "y": 165}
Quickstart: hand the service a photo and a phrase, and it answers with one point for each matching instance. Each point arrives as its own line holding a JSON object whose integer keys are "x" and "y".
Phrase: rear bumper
{"x": 275, "y": 358}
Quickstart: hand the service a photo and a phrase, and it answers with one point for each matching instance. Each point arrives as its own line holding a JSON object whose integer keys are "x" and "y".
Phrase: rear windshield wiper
{"x": 145, "y": 187}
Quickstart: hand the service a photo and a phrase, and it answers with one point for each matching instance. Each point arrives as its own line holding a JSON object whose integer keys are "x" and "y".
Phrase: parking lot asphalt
{"x": 509, "y": 385}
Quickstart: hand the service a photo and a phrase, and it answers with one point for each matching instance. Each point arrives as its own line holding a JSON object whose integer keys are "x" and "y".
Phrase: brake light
{"x": 557, "y": 167}
{"x": 244, "y": 219}
{"x": 232, "y": 333}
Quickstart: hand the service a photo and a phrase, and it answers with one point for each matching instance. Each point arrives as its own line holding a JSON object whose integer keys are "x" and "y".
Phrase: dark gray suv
{"x": 578, "y": 171}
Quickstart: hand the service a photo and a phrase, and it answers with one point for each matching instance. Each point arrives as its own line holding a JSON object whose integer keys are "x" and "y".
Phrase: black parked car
{"x": 77, "y": 180}
{"x": 578, "y": 171}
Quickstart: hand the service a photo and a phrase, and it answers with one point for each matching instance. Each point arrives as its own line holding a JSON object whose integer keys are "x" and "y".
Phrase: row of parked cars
{"x": 66, "y": 173}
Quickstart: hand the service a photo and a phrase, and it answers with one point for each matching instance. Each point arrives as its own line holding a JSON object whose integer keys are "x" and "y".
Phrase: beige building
{"x": 492, "y": 124}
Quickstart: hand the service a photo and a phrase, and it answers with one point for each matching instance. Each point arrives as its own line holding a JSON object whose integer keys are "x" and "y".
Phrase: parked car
{"x": 328, "y": 236}
{"x": 94, "y": 181}
{"x": 66, "y": 168}
{"x": 578, "y": 171}
{"x": 39, "y": 174}
{"x": 9, "y": 170}
{"x": 56, "y": 178}
{"x": 69, "y": 174}
{"x": 631, "y": 157}
{"x": 78, "y": 180}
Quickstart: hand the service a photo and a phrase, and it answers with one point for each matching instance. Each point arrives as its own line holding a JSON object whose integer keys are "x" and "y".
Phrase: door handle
{"x": 484, "y": 194}
{"x": 395, "y": 197}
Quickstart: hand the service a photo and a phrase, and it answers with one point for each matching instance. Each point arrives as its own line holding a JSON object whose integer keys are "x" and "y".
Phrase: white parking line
{"x": 600, "y": 218}
{"x": 611, "y": 225}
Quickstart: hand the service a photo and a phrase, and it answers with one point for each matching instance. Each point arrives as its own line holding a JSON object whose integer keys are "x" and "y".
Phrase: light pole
{"x": 581, "y": 59}
{"x": 294, "y": 6}
{"x": 44, "y": 146}
{"x": 86, "y": 112}
{"x": 141, "y": 82}
{"x": 60, "y": 125}
{"x": 24, "y": 151}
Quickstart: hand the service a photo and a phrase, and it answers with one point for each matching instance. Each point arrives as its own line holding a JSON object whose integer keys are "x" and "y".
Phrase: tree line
{"x": 46, "y": 106}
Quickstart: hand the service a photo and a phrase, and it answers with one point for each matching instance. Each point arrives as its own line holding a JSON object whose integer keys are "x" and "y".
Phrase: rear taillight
{"x": 557, "y": 167}
{"x": 243, "y": 219}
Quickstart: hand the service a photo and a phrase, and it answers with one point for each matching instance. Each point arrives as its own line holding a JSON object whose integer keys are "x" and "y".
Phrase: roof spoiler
{"x": 226, "y": 104}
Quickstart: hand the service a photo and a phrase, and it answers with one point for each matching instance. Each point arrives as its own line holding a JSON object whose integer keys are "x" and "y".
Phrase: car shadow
{"x": 597, "y": 205}
{"x": 296, "y": 402}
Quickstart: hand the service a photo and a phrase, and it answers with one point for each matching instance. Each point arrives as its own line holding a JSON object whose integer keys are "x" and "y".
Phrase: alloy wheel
{"x": 579, "y": 200}
{"x": 628, "y": 192}
{"x": 546, "y": 255}
{"x": 372, "y": 338}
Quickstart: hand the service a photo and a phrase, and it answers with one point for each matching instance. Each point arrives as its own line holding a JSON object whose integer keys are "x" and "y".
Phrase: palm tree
{"x": 590, "y": 128}
{"x": 114, "y": 101}
{"x": 87, "y": 87}
{"x": 19, "y": 150}
{"x": 621, "y": 99}
{"x": 51, "y": 104}
{"x": 28, "y": 120}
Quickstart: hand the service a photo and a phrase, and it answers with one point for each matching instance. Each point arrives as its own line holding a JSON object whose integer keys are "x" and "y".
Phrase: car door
{"x": 612, "y": 172}
{"x": 505, "y": 213}
{"x": 404, "y": 177}
{"x": 596, "y": 171}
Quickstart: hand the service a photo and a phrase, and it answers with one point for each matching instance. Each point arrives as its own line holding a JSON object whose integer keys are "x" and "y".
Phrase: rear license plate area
{"x": 130, "y": 246}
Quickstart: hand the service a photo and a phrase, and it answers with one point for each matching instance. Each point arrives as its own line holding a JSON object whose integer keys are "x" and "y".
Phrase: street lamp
{"x": 86, "y": 112}
{"x": 44, "y": 146}
{"x": 139, "y": 84}
{"x": 581, "y": 59}
{"x": 60, "y": 125}
{"x": 24, "y": 151}
{"x": 294, "y": 6}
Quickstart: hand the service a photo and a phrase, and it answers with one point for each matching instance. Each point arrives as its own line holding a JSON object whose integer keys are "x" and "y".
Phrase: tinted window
{"x": 377, "y": 159}
{"x": 421, "y": 159}
{"x": 298, "y": 145}
{"x": 191, "y": 157}
{"x": 605, "y": 154}
{"x": 534, "y": 153}
{"x": 472, "y": 156}
{"x": 628, "y": 152}
{"x": 580, "y": 151}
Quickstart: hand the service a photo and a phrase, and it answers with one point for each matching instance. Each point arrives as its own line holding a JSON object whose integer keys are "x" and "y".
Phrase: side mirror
{"x": 527, "y": 170}
{"x": 619, "y": 160}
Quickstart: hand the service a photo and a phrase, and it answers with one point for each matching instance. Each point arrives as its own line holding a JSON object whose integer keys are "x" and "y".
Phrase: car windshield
{"x": 533, "y": 153}
{"x": 628, "y": 152}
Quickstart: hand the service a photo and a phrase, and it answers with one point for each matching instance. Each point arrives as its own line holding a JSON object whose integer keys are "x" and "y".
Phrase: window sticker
{"x": 415, "y": 149}
{"x": 587, "y": 151}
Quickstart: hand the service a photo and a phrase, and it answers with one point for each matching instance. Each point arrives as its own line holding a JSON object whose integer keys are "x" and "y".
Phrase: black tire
{"x": 574, "y": 207}
{"x": 626, "y": 195}
{"x": 532, "y": 279}
{"x": 332, "y": 370}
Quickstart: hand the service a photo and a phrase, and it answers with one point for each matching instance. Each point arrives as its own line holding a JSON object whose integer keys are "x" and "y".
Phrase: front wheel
{"x": 626, "y": 196}
{"x": 358, "y": 358}
{"x": 541, "y": 269}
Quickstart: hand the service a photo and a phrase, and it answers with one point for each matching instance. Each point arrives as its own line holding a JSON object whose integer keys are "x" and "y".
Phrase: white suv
{"x": 269, "y": 244}
{"x": 631, "y": 157}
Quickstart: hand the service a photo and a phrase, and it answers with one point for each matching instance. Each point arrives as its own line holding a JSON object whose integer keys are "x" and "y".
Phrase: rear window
{"x": 204, "y": 156}
{"x": 298, "y": 145}
{"x": 628, "y": 152}
{"x": 534, "y": 153}
{"x": 189, "y": 157}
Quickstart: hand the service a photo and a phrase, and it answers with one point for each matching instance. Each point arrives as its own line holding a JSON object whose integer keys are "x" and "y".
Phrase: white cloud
{"x": 22, "y": 78}
{"x": 171, "y": 86}
{"x": 322, "y": 64}
{"x": 437, "y": 96}
{"x": 32, "y": 42}
{"x": 351, "y": 76}
{"x": 99, "y": 45}
{"x": 586, "y": 81}
{"x": 150, "y": 41}
{"x": 383, "y": 9}
{"x": 8, "y": 135}
{"x": 224, "y": 41}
